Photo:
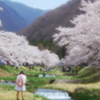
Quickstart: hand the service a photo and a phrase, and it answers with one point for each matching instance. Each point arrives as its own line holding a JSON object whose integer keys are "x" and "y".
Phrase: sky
{"x": 42, "y": 4}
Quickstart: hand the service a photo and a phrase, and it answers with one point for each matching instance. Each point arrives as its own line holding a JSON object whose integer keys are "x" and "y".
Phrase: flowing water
{"x": 41, "y": 75}
{"x": 48, "y": 93}
{"x": 53, "y": 94}
{"x": 8, "y": 83}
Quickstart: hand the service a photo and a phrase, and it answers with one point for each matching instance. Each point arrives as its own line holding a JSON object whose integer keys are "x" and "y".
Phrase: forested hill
{"x": 44, "y": 27}
{"x": 10, "y": 19}
{"x": 16, "y": 16}
{"x": 28, "y": 13}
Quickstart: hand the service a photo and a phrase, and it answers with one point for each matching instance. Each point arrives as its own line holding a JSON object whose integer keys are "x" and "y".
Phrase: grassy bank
{"x": 9, "y": 73}
{"x": 88, "y": 89}
{"x": 79, "y": 91}
{"x": 8, "y": 93}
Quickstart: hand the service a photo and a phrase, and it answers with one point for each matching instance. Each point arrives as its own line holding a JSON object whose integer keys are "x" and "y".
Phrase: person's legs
{"x": 18, "y": 94}
{"x": 22, "y": 92}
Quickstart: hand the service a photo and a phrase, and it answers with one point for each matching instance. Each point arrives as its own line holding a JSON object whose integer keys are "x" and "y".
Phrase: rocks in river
{"x": 7, "y": 82}
{"x": 51, "y": 81}
{"x": 2, "y": 81}
{"x": 78, "y": 89}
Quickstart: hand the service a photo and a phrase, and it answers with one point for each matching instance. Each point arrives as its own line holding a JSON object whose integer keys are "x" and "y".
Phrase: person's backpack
{"x": 20, "y": 82}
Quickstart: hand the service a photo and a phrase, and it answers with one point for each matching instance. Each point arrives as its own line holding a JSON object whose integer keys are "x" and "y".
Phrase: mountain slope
{"x": 10, "y": 19}
{"x": 44, "y": 27}
{"x": 29, "y": 14}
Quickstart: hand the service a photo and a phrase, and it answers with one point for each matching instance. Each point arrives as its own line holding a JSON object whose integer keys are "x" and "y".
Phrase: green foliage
{"x": 49, "y": 44}
{"x": 38, "y": 96}
{"x": 6, "y": 87}
{"x": 93, "y": 94}
{"x": 37, "y": 82}
{"x": 5, "y": 68}
{"x": 89, "y": 74}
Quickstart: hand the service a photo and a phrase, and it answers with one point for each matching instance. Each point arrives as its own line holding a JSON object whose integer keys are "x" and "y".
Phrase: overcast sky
{"x": 42, "y": 4}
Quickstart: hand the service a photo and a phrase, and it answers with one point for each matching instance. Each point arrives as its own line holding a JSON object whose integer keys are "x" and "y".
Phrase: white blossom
{"x": 17, "y": 50}
{"x": 83, "y": 40}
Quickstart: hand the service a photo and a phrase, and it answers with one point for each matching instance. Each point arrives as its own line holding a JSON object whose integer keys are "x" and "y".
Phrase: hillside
{"x": 28, "y": 13}
{"x": 16, "y": 16}
{"x": 10, "y": 19}
{"x": 44, "y": 26}
{"x": 40, "y": 32}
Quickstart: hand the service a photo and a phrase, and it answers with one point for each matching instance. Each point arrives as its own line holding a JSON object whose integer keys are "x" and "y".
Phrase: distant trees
{"x": 50, "y": 45}
{"x": 83, "y": 40}
{"x": 17, "y": 50}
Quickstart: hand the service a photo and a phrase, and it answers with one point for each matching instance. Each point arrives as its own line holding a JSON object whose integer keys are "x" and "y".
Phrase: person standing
{"x": 20, "y": 85}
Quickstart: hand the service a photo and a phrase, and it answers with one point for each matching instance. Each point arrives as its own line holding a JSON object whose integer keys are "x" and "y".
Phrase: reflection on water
{"x": 53, "y": 94}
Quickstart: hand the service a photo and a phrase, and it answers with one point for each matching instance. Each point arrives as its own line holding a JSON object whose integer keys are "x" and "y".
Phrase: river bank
{"x": 78, "y": 90}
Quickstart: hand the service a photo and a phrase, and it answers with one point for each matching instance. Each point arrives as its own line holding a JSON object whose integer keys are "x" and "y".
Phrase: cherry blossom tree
{"x": 17, "y": 50}
{"x": 83, "y": 40}
{"x": 49, "y": 58}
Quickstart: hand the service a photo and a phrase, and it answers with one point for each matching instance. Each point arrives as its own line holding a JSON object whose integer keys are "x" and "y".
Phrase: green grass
{"x": 89, "y": 74}
{"x": 93, "y": 94}
{"x": 34, "y": 82}
{"x": 4, "y": 87}
{"x": 43, "y": 98}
